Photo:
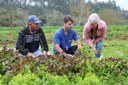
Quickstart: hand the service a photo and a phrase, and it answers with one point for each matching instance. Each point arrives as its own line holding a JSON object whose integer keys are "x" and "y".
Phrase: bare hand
{"x": 44, "y": 52}
{"x": 48, "y": 53}
{"x": 79, "y": 46}
{"x": 30, "y": 55}
{"x": 95, "y": 50}
{"x": 70, "y": 55}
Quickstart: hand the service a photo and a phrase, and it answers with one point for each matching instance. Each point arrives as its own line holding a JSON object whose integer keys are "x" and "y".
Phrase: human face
{"x": 68, "y": 25}
{"x": 93, "y": 25}
{"x": 34, "y": 26}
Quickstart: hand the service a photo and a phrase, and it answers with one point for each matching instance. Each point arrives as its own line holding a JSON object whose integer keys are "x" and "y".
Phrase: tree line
{"x": 15, "y": 12}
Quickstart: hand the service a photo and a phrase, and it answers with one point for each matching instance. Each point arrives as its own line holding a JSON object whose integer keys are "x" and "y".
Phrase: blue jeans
{"x": 99, "y": 48}
{"x": 37, "y": 53}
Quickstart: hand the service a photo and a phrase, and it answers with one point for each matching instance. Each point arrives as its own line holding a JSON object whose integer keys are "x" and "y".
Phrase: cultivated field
{"x": 115, "y": 43}
{"x": 82, "y": 69}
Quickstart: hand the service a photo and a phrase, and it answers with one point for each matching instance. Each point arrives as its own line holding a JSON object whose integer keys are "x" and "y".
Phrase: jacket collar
{"x": 100, "y": 25}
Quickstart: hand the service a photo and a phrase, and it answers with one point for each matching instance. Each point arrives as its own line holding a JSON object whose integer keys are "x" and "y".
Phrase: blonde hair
{"x": 94, "y": 18}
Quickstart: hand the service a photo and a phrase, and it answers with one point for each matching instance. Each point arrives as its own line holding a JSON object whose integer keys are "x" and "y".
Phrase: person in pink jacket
{"x": 94, "y": 32}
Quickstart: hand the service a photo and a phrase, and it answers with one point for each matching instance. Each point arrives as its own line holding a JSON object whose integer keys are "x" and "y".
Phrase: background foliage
{"x": 53, "y": 11}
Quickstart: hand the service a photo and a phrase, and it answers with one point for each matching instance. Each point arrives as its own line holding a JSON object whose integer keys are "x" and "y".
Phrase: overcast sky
{"x": 122, "y": 3}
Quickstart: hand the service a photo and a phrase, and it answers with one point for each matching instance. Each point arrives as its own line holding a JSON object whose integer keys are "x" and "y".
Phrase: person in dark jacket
{"x": 31, "y": 38}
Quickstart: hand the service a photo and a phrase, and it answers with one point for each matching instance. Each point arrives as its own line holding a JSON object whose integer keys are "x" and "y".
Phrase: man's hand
{"x": 30, "y": 55}
{"x": 79, "y": 46}
{"x": 62, "y": 53}
{"x": 48, "y": 53}
{"x": 69, "y": 55}
{"x": 44, "y": 52}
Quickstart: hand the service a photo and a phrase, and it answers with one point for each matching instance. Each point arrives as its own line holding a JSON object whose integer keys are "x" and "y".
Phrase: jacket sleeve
{"x": 43, "y": 42}
{"x": 86, "y": 35}
{"x": 21, "y": 43}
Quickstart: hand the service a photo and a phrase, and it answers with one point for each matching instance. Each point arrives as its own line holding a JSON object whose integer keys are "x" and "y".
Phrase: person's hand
{"x": 44, "y": 52}
{"x": 94, "y": 42}
{"x": 48, "y": 53}
{"x": 94, "y": 50}
{"x": 65, "y": 54}
{"x": 69, "y": 55}
{"x": 79, "y": 46}
{"x": 30, "y": 55}
{"x": 62, "y": 53}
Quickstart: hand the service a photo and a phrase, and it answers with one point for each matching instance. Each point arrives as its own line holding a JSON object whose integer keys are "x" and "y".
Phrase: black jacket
{"x": 30, "y": 42}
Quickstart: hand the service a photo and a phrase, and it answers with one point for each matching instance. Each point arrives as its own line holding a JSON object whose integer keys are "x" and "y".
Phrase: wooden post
{"x": 10, "y": 14}
{"x": 10, "y": 21}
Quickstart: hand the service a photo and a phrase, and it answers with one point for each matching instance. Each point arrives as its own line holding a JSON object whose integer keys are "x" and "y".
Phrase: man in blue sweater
{"x": 63, "y": 38}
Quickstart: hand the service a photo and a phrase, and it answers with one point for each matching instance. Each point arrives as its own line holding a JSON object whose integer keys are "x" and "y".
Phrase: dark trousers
{"x": 71, "y": 50}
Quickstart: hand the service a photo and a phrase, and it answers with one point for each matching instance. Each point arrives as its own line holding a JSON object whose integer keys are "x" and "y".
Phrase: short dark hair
{"x": 68, "y": 18}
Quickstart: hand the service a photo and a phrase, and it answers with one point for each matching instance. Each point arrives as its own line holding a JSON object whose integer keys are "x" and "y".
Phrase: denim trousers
{"x": 37, "y": 53}
{"x": 98, "y": 48}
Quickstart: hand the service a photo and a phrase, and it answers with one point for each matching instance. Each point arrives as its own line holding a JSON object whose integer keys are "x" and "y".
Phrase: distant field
{"x": 115, "y": 43}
